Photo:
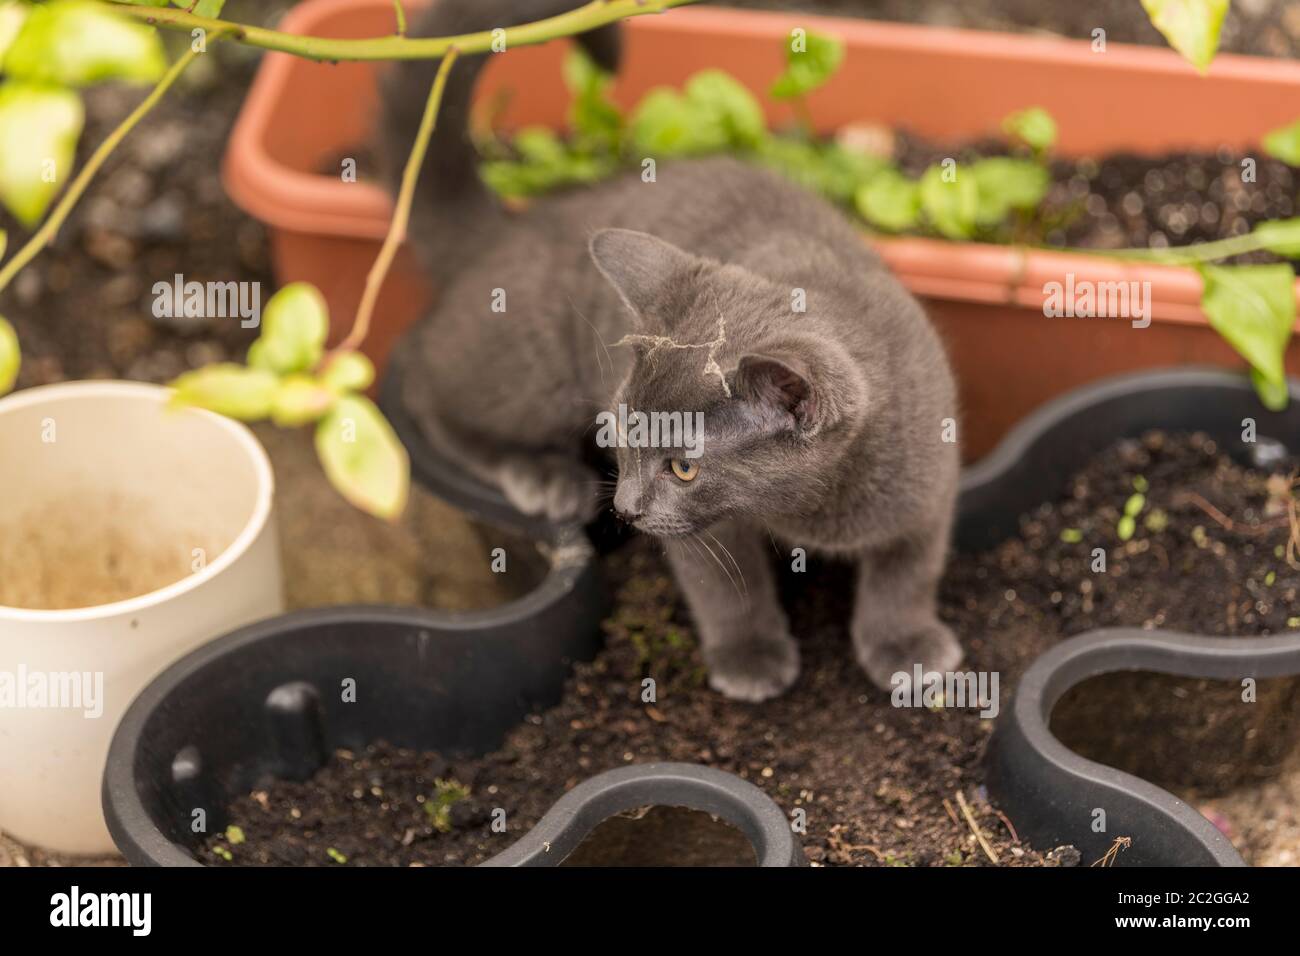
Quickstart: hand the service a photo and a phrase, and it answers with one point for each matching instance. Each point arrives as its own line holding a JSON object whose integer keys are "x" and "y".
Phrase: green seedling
{"x": 438, "y": 807}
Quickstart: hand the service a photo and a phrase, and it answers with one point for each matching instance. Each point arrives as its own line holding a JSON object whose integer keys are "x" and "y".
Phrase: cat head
{"x": 735, "y": 404}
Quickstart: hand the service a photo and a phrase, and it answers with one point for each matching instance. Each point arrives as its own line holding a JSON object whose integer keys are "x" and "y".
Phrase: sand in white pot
{"x": 130, "y": 534}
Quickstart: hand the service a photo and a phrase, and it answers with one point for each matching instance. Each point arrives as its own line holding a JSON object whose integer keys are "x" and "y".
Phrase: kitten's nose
{"x": 627, "y": 503}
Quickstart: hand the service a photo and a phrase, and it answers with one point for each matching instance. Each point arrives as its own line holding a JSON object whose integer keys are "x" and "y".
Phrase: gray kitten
{"x": 823, "y": 426}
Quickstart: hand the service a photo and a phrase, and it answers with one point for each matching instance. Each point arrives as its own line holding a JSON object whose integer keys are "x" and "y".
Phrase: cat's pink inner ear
{"x": 777, "y": 382}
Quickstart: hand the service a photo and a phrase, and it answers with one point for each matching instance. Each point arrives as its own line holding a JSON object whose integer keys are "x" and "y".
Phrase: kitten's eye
{"x": 685, "y": 468}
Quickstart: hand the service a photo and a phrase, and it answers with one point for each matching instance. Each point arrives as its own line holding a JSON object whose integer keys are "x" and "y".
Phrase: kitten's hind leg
{"x": 895, "y": 626}
{"x": 558, "y": 486}
{"x": 730, "y": 589}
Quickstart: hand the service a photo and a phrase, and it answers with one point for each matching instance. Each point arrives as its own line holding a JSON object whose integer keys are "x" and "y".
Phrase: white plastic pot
{"x": 130, "y": 534}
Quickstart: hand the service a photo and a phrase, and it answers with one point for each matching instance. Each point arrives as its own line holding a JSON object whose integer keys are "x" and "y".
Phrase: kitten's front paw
{"x": 561, "y": 489}
{"x": 754, "y": 670}
{"x": 933, "y": 647}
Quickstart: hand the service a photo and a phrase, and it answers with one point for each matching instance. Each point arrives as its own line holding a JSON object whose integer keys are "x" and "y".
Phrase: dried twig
{"x": 1015, "y": 837}
{"x": 1121, "y": 843}
{"x": 975, "y": 828}
{"x": 951, "y": 812}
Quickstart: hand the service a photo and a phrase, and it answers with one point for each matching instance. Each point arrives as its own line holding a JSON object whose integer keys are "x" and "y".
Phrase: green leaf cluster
{"x": 291, "y": 380}
{"x": 47, "y": 52}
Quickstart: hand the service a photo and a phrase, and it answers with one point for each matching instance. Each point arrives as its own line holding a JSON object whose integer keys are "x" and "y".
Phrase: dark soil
{"x": 879, "y": 785}
{"x": 84, "y": 309}
{"x": 1131, "y": 201}
{"x": 1260, "y": 27}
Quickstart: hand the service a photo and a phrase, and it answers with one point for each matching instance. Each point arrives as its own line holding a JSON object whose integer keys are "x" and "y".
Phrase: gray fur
{"x": 822, "y": 428}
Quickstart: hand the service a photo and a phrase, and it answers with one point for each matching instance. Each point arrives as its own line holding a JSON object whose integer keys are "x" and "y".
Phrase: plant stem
{"x": 401, "y": 17}
{"x": 50, "y": 228}
{"x": 594, "y": 14}
{"x": 401, "y": 211}
{"x": 1184, "y": 255}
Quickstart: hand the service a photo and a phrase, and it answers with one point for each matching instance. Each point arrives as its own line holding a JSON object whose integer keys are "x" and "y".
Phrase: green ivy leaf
{"x": 595, "y": 118}
{"x": 666, "y": 123}
{"x": 1273, "y": 395}
{"x": 1191, "y": 26}
{"x": 228, "y": 389}
{"x": 300, "y": 399}
{"x": 348, "y": 372}
{"x": 1254, "y": 309}
{"x": 11, "y": 358}
{"x": 78, "y": 42}
{"x": 1280, "y": 236}
{"x": 1034, "y": 127}
{"x": 810, "y": 60}
{"x": 12, "y": 15}
{"x": 1005, "y": 184}
{"x": 39, "y": 127}
{"x": 294, "y": 326}
{"x": 1284, "y": 144}
{"x": 363, "y": 458}
{"x": 729, "y": 105}
{"x": 829, "y": 169}
{"x": 890, "y": 201}
{"x": 951, "y": 207}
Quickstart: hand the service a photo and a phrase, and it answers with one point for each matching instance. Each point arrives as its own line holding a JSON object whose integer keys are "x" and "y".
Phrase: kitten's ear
{"x": 781, "y": 385}
{"x": 642, "y": 268}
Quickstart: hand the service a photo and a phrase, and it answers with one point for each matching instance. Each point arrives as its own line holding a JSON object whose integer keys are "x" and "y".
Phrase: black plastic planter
{"x": 1048, "y": 790}
{"x": 266, "y": 701}
{"x": 724, "y": 795}
{"x": 1052, "y": 793}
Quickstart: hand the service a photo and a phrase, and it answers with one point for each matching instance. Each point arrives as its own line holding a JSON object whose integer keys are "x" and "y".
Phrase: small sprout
{"x": 1126, "y": 527}
{"x": 335, "y": 855}
{"x": 1293, "y": 622}
{"x": 1140, "y": 484}
{"x": 222, "y": 852}
{"x": 1269, "y": 579}
{"x": 234, "y": 835}
{"x": 1136, "y": 502}
{"x": 1279, "y": 552}
{"x": 1199, "y": 536}
{"x": 1071, "y": 535}
{"x": 1156, "y": 521}
{"x": 438, "y": 807}
{"x": 954, "y": 858}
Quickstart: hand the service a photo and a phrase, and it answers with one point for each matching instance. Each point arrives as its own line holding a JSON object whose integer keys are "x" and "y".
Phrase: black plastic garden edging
{"x": 264, "y": 701}
{"x": 1049, "y": 791}
{"x": 1052, "y": 793}
{"x": 267, "y": 700}
{"x": 722, "y": 794}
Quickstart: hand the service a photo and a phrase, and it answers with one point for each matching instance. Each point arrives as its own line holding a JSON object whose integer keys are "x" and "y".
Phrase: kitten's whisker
{"x": 744, "y": 596}
{"x": 734, "y": 563}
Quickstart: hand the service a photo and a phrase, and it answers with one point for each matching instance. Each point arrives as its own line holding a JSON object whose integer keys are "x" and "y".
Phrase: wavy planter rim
{"x": 257, "y": 456}
{"x": 308, "y": 203}
{"x": 737, "y": 801}
{"x": 1036, "y": 777}
{"x": 1125, "y": 649}
{"x": 564, "y": 826}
